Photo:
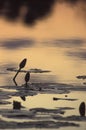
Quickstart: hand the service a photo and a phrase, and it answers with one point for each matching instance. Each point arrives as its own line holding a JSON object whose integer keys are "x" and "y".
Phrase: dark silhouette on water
{"x": 81, "y": 77}
{"x": 27, "y": 78}
{"x": 21, "y": 65}
{"x": 82, "y": 109}
{"x": 16, "y": 105}
{"x": 54, "y": 98}
{"x": 23, "y": 98}
{"x": 34, "y": 70}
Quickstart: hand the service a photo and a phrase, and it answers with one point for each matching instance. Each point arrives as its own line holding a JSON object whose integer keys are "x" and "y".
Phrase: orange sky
{"x": 63, "y": 23}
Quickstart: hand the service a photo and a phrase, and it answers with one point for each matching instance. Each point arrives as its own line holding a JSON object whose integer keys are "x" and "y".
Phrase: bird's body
{"x": 21, "y": 65}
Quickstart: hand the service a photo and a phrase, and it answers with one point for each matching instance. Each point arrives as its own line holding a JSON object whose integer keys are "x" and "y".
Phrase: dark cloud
{"x": 35, "y": 9}
{"x": 67, "y": 43}
{"x": 72, "y": 2}
{"x": 17, "y": 43}
{"x": 78, "y": 54}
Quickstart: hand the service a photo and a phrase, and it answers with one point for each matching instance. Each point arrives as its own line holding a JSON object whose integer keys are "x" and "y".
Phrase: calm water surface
{"x": 64, "y": 61}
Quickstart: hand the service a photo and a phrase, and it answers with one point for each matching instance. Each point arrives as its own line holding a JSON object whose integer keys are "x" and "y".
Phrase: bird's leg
{"x": 16, "y": 74}
{"x": 15, "y": 82}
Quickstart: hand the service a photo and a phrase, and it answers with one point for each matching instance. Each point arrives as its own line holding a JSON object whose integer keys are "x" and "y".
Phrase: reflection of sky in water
{"x": 64, "y": 57}
{"x": 46, "y": 101}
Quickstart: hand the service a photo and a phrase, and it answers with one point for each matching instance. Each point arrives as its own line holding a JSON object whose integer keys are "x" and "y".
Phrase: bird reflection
{"x": 82, "y": 109}
{"x": 27, "y": 78}
{"x": 16, "y": 105}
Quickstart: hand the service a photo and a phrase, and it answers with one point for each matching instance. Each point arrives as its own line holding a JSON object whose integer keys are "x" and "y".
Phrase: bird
{"x": 27, "y": 78}
{"x": 21, "y": 65}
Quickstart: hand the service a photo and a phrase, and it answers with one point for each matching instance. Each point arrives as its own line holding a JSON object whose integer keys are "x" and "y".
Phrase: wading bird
{"x": 21, "y": 65}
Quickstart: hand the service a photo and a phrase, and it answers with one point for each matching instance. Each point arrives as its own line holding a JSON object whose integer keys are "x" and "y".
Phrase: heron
{"x": 21, "y": 65}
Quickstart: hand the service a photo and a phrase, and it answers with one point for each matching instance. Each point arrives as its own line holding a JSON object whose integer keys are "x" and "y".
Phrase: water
{"x": 63, "y": 60}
